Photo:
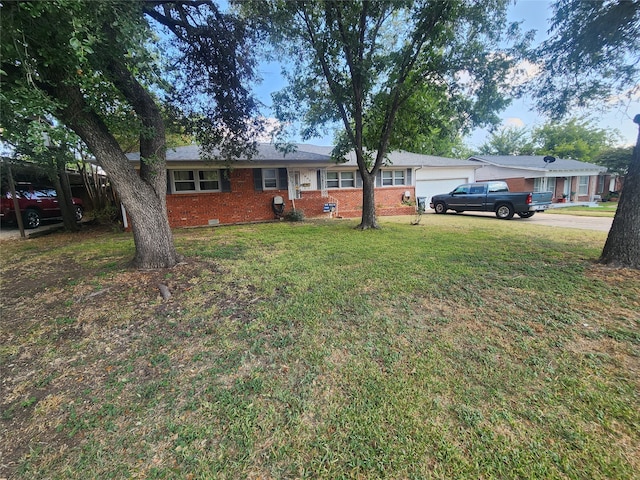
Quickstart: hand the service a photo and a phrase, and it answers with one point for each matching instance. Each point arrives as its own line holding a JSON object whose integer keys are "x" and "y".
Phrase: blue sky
{"x": 534, "y": 14}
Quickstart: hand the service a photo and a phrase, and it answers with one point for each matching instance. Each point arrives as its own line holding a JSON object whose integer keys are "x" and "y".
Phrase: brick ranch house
{"x": 576, "y": 181}
{"x": 203, "y": 193}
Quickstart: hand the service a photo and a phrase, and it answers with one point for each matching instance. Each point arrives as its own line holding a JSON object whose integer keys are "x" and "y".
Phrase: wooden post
{"x": 16, "y": 205}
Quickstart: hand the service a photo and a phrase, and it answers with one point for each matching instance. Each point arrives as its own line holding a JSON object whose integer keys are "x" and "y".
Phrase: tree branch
{"x": 177, "y": 26}
{"x": 315, "y": 44}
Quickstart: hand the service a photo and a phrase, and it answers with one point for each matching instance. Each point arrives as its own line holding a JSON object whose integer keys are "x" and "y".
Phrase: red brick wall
{"x": 560, "y": 182}
{"x": 520, "y": 184}
{"x": 245, "y": 204}
{"x": 349, "y": 202}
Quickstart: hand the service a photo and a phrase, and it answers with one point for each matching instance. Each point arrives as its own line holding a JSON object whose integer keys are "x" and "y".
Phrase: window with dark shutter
{"x": 283, "y": 181}
{"x": 225, "y": 180}
{"x": 257, "y": 179}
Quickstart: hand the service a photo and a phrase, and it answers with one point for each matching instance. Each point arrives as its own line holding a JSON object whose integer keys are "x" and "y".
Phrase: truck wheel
{"x": 79, "y": 213}
{"x": 440, "y": 207}
{"x": 31, "y": 218}
{"x": 525, "y": 214}
{"x": 504, "y": 211}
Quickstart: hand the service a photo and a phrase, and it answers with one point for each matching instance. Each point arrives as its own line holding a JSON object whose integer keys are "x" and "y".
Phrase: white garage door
{"x": 429, "y": 188}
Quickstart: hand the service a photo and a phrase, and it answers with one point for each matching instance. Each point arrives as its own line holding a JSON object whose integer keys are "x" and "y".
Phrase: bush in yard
{"x": 294, "y": 215}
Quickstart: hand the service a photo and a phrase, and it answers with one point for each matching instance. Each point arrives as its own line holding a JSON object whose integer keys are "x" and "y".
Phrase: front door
{"x": 294, "y": 182}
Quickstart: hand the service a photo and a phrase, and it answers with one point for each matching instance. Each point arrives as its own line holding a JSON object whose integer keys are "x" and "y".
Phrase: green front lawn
{"x": 463, "y": 347}
{"x": 607, "y": 209}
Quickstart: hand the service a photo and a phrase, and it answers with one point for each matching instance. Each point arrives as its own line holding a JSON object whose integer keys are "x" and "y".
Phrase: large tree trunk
{"x": 154, "y": 240}
{"x": 145, "y": 206}
{"x": 145, "y": 203}
{"x": 369, "y": 219}
{"x": 622, "y": 248}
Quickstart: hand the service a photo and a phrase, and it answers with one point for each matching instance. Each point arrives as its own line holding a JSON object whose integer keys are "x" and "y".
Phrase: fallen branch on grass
{"x": 94, "y": 294}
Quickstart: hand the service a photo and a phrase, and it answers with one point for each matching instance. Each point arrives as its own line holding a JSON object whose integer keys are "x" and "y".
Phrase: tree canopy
{"x": 574, "y": 138}
{"x": 104, "y": 68}
{"x": 617, "y": 159}
{"x": 508, "y": 141}
{"x": 428, "y": 68}
{"x": 592, "y": 53}
{"x": 429, "y": 122}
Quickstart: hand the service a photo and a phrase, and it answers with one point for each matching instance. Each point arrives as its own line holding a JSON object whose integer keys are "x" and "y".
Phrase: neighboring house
{"x": 432, "y": 175}
{"x": 610, "y": 183}
{"x": 570, "y": 179}
{"x": 208, "y": 193}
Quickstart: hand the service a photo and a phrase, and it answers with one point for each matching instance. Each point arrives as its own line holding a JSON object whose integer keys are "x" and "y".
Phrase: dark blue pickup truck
{"x": 491, "y": 197}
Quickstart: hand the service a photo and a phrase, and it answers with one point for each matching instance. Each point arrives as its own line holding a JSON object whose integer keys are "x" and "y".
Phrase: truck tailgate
{"x": 540, "y": 198}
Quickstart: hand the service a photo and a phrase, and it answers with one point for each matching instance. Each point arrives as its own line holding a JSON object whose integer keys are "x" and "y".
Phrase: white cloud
{"x": 624, "y": 98}
{"x": 512, "y": 122}
{"x": 271, "y": 127}
{"x": 522, "y": 73}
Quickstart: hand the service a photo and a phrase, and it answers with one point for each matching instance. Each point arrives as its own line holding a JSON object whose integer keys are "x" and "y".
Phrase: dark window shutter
{"x": 408, "y": 180}
{"x": 225, "y": 180}
{"x": 319, "y": 180}
{"x": 168, "y": 181}
{"x": 283, "y": 184}
{"x": 257, "y": 179}
{"x": 358, "y": 179}
{"x": 379, "y": 178}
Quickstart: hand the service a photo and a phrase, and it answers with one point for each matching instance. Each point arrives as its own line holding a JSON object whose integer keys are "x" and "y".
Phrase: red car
{"x": 36, "y": 204}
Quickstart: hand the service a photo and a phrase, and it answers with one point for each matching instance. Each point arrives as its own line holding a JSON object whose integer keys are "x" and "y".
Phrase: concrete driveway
{"x": 11, "y": 232}
{"x": 602, "y": 224}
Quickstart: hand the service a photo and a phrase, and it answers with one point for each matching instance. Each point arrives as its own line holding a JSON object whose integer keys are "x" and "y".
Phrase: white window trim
{"x": 332, "y": 180}
{"x": 196, "y": 180}
{"x": 351, "y": 179}
{"x": 583, "y": 188}
{"x": 341, "y": 180}
{"x": 394, "y": 179}
{"x": 264, "y": 178}
{"x": 544, "y": 184}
